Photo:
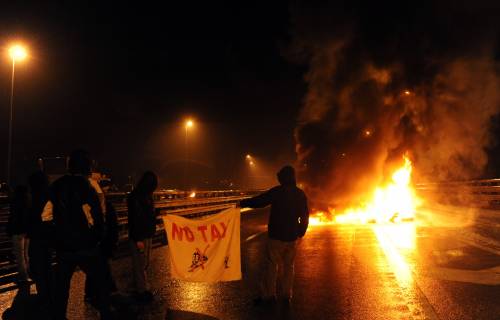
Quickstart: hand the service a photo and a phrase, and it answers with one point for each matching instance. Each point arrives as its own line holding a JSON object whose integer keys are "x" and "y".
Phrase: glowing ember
{"x": 392, "y": 203}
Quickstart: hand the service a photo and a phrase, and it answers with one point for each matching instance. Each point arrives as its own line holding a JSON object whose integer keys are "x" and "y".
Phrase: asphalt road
{"x": 445, "y": 265}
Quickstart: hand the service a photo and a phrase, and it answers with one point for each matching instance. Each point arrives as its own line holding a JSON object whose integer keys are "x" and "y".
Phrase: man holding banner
{"x": 208, "y": 249}
{"x": 288, "y": 221}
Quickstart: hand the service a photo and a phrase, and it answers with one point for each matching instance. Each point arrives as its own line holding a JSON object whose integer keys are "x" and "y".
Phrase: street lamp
{"x": 17, "y": 53}
{"x": 251, "y": 167}
{"x": 187, "y": 125}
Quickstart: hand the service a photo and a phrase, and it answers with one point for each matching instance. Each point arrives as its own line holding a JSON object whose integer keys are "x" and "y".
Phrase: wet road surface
{"x": 444, "y": 266}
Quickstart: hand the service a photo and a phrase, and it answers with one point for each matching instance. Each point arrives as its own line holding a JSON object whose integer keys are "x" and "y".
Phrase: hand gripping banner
{"x": 207, "y": 249}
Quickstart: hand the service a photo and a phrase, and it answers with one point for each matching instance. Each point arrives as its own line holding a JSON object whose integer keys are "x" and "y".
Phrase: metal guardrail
{"x": 482, "y": 193}
{"x": 477, "y": 193}
{"x": 187, "y": 204}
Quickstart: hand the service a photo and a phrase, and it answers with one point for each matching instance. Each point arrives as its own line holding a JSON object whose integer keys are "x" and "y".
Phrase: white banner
{"x": 207, "y": 249}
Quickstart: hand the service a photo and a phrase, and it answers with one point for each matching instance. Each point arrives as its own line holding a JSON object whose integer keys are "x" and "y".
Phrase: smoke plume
{"x": 390, "y": 80}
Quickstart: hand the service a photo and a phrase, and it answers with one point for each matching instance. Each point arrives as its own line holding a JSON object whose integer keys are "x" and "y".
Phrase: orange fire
{"x": 394, "y": 202}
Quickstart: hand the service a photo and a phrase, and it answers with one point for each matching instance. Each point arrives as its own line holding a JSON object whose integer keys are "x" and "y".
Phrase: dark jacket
{"x": 36, "y": 228}
{"x": 18, "y": 211}
{"x": 39, "y": 231}
{"x": 73, "y": 229}
{"x": 289, "y": 216}
{"x": 141, "y": 216}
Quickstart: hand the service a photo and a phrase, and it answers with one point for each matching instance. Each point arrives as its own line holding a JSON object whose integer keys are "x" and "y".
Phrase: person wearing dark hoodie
{"x": 78, "y": 230}
{"x": 40, "y": 237}
{"x": 288, "y": 221}
{"x": 141, "y": 229}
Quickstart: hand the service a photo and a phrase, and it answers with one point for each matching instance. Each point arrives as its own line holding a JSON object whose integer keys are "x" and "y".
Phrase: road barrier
{"x": 479, "y": 193}
{"x": 188, "y": 204}
{"x": 472, "y": 193}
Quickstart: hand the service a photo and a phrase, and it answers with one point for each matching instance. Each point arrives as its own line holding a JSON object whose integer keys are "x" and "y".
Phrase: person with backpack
{"x": 141, "y": 229}
{"x": 288, "y": 221}
{"x": 79, "y": 229}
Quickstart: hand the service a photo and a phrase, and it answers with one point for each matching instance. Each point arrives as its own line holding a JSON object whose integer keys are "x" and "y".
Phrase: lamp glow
{"x": 18, "y": 52}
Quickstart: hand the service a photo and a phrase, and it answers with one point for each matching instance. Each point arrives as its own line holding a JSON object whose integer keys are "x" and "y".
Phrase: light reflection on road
{"x": 392, "y": 238}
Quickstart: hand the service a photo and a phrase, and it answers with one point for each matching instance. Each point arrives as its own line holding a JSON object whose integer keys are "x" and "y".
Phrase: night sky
{"x": 119, "y": 80}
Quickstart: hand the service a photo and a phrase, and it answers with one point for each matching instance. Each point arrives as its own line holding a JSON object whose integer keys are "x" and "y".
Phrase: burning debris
{"x": 382, "y": 92}
{"x": 393, "y": 202}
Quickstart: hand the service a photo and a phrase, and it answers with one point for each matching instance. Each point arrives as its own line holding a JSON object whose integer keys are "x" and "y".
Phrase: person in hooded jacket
{"x": 288, "y": 221}
{"x": 141, "y": 229}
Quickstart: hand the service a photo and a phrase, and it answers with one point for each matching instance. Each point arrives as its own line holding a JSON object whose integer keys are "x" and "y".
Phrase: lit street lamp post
{"x": 251, "y": 163}
{"x": 189, "y": 124}
{"x": 17, "y": 53}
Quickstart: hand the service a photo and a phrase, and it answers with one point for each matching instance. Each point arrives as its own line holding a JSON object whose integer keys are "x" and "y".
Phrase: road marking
{"x": 478, "y": 241}
{"x": 471, "y": 217}
{"x": 253, "y": 236}
{"x": 489, "y": 276}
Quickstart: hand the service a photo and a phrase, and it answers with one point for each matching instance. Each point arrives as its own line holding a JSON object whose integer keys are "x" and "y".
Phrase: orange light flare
{"x": 393, "y": 202}
{"x": 321, "y": 218}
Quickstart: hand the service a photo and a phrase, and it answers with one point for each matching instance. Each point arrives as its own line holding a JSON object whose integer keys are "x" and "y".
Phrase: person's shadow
{"x": 24, "y": 305}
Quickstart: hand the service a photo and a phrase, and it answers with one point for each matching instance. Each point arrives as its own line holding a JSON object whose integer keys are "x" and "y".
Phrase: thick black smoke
{"x": 386, "y": 80}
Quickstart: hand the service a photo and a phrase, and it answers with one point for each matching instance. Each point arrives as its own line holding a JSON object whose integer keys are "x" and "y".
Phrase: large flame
{"x": 393, "y": 202}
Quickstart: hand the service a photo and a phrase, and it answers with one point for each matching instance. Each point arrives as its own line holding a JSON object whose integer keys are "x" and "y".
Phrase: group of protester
{"x": 72, "y": 220}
